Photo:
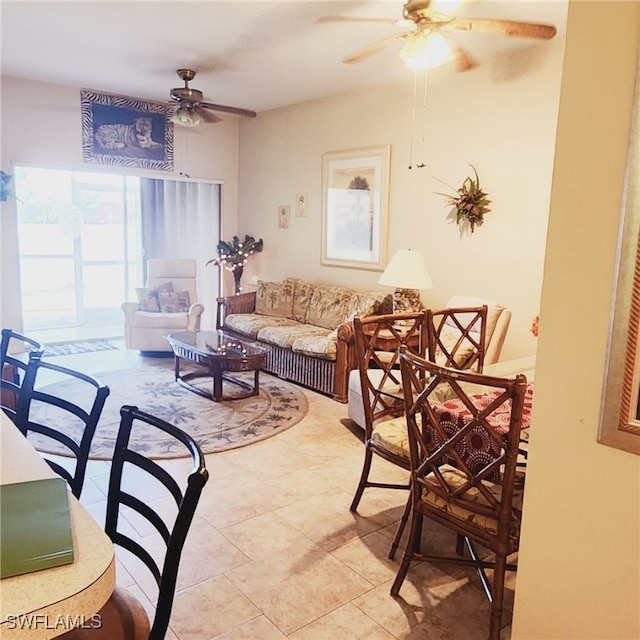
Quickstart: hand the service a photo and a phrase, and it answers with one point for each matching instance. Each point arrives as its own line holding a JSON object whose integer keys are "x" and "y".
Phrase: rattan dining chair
{"x": 464, "y": 457}
{"x": 14, "y": 353}
{"x": 377, "y": 342}
{"x": 123, "y": 617}
{"x": 63, "y": 420}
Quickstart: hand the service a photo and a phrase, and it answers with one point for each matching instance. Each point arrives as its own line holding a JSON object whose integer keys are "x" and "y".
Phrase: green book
{"x": 35, "y": 526}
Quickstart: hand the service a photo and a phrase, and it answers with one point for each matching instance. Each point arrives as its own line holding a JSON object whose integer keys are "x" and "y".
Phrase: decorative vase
{"x": 237, "y": 275}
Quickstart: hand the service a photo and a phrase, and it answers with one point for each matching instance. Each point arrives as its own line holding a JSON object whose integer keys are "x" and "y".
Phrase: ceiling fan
{"x": 191, "y": 110}
{"x": 427, "y": 45}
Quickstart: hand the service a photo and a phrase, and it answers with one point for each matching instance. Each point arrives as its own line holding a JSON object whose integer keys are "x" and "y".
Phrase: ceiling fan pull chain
{"x": 413, "y": 117}
{"x": 419, "y": 165}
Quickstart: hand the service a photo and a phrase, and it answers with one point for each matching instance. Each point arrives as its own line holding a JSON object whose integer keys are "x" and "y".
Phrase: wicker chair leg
{"x": 497, "y": 602}
{"x": 401, "y": 525}
{"x": 413, "y": 543}
{"x": 364, "y": 476}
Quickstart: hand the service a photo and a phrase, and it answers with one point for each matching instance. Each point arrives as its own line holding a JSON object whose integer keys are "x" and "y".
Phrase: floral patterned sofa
{"x": 308, "y": 327}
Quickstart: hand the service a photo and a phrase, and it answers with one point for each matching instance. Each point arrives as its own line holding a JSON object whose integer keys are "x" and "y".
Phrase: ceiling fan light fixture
{"x": 186, "y": 116}
{"x": 426, "y": 49}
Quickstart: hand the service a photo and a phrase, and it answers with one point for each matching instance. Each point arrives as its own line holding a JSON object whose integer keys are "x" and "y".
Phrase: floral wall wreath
{"x": 470, "y": 204}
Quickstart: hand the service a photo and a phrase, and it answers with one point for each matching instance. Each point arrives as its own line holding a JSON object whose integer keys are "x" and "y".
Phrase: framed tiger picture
{"x": 124, "y": 131}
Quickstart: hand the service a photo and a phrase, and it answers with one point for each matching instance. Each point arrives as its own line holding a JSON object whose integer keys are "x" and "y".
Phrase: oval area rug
{"x": 216, "y": 426}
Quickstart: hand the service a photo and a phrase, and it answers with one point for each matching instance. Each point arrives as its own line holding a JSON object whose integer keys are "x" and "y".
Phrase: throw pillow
{"x": 274, "y": 299}
{"x": 327, "y": 306}
{"x": 148, "y": 299}
{"x": 406, "y": 301}
{"x": 301, "y": 299}
{"x": 173, "y": 301}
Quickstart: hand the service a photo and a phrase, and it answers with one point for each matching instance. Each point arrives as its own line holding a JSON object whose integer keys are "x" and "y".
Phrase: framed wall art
{"x": 128, "y": 132}
{"x": 284, "y": 216}
{"x": 302, "y": 205}
{"x": 620, "y": 409}
{"x": 355, "y": 193}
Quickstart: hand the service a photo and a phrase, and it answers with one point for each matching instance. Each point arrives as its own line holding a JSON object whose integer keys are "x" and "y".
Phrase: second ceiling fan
{"x": 430, "y": 22}
{"x": 191, "y": 110}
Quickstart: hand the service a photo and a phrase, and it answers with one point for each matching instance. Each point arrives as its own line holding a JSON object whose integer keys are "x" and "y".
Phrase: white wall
{"x": 500, "y": 117}
{"x": 41, "y": 126}
{"x": 579, "y": 564}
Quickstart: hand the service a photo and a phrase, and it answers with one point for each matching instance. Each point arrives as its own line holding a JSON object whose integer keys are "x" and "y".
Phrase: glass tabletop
{"x": 217, "y": 343}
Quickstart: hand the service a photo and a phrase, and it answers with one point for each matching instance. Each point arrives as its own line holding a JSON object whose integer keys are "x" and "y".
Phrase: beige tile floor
{"x": 274, "y": 552}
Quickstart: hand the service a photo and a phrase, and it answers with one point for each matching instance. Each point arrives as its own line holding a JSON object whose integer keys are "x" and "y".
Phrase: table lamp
{"x": 408, "y": 273}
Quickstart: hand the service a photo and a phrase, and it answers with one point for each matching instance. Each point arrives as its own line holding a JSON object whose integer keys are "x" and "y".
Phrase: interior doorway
{"x": 78, "y": 235}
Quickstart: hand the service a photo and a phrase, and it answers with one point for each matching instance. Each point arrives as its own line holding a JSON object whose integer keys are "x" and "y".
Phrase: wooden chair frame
{"x": 87, "y": 415}
{"x": 186, "y": 501}
{"x": 435, "y": 460}
{"x": 379, "y": 371}
{"x": 468, "y": 327}
{"x": 13, "y": 370}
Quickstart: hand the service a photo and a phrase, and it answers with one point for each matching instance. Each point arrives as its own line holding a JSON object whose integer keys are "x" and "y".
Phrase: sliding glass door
{"x": 79, "y": 246}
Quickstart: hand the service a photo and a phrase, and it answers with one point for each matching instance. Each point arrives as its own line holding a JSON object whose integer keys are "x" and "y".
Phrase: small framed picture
{"x": 302, "y": 200}
{"x": 284, "y": 215}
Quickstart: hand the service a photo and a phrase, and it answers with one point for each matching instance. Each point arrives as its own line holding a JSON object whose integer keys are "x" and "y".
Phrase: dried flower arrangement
{"x": 470, "y": 204}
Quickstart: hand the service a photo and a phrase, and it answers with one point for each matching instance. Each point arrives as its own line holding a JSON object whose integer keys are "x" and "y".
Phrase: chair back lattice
{"x": 378, "y": 340}
{"x": 457, "y": 337}
{"x": 14, "y": 350}
{"x": 68, "y": 417}
{"x": 186, "y": 497}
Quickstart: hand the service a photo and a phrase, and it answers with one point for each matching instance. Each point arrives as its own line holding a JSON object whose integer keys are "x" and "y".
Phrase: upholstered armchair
{"x": 166, "y": 304}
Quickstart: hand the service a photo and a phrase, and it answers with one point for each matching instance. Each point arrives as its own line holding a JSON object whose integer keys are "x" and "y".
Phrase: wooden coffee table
{"x": 218, "y": 354}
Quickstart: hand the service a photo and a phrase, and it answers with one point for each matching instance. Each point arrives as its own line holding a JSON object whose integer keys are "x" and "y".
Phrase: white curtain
{"x": 181, "y": 219}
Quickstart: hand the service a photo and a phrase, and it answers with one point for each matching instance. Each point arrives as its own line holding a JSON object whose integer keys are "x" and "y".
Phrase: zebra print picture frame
{"x": 127, "y": 132}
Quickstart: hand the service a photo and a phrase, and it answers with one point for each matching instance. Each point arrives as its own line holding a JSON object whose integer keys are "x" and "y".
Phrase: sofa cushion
{"x": 250, "y": 324}
{"x": 301, "y": 297}
{"x": 275, "y": 298}
{"x": 328, "y": 306}
{"x": 317, "y": 343}
{"x": 285, "y": 336}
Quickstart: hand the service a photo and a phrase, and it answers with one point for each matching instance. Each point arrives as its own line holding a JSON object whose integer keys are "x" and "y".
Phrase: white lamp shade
{"x": 407, "y": 270}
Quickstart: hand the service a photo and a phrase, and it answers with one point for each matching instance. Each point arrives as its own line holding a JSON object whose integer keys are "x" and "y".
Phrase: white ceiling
{"x": 257, "y": 55}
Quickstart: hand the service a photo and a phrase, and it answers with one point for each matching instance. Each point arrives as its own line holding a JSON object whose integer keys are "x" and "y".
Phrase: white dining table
{"x": 45, "y": 604}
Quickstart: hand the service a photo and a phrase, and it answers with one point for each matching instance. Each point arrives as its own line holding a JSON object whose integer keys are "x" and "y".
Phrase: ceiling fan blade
{"x": 504, "y": 27}
{"x": 372, "y": 49}
{"x": 464, "y": 62}
{"x": 356, "y": 19}
{"x": 247, "y": 113}
{"x": 207, "y": 116}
